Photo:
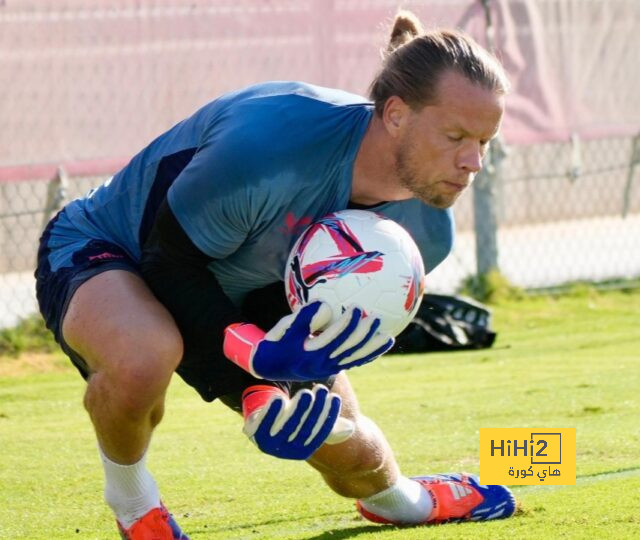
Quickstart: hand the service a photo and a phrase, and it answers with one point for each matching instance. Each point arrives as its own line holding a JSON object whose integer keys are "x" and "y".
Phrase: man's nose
{"x": 470, "y": 158}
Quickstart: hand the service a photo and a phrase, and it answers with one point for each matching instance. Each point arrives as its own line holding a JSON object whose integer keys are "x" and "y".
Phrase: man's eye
{"x": 454, "y": 138}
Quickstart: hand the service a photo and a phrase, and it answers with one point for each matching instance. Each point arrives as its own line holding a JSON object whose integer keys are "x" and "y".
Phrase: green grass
{"x": 572, "y": 361}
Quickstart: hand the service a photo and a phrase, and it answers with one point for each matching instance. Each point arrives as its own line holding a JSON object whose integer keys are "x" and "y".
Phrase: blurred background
{"x": 85, "y": 84}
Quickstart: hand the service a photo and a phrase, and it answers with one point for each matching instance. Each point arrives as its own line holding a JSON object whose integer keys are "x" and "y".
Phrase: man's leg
{"x": 131, "y": 346}
{"x": 364, "y": 467}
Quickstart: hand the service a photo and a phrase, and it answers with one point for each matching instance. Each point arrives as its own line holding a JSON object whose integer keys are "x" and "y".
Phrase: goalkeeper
{"x": 175, "y": 264}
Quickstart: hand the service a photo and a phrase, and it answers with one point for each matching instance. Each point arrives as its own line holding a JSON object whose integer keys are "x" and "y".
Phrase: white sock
{"x": 130, "y": 490}
{"x": 405, "y": 502}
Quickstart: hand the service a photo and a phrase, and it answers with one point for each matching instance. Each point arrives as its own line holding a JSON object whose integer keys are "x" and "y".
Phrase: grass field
{"x": 563, "y": 362}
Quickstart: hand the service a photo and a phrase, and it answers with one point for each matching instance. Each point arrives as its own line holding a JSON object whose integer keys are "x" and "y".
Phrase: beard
{"x": 406, "y": 172}
{"x": 426, "y": 192}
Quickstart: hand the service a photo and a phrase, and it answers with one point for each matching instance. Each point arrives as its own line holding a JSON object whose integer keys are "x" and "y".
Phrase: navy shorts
{"x": 54, "y": 289}
{"x": 85, "y": 258}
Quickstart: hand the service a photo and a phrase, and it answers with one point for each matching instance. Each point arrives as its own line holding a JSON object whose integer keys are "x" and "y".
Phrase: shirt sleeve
{"x": 214, "y": 199}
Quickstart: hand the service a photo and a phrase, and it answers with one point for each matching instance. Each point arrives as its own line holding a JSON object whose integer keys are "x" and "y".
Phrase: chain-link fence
{"x": 83, "y": 84}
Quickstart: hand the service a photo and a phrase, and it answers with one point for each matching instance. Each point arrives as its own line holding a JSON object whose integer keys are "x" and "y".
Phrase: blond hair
{"x": 414, "y": 61}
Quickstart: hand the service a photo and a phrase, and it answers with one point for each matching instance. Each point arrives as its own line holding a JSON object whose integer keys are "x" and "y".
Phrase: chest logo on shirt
{"x": 295, "y": 226}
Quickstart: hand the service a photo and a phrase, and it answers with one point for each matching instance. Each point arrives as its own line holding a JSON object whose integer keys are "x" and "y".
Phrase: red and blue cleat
{"x": 156, "y": 524}
{"x": 458, "y": 497}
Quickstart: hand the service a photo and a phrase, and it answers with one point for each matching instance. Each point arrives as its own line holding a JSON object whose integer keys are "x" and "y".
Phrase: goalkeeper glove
{"x": 289, "y": 351}
{"x": 293, "y": 428}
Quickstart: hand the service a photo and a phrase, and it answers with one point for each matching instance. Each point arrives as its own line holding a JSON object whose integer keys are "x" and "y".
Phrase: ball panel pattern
{"x": 357, "y": 257}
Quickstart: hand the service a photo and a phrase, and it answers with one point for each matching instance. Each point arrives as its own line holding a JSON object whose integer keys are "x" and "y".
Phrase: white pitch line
{"x": 582, "y": 481}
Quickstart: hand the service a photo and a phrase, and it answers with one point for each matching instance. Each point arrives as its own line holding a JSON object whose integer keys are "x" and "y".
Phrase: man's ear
{"x": 394, "y": 115}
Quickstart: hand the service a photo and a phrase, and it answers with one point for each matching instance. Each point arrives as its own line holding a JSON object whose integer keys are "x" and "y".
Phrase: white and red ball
{"x": 357, "y": 258}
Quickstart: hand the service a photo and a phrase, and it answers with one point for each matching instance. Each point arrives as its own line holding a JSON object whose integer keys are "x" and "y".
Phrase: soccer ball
{"x": 357, "y": 258}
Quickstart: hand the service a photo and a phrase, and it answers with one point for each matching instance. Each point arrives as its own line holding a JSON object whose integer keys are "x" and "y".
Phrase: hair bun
{"x": 406, "y": 26}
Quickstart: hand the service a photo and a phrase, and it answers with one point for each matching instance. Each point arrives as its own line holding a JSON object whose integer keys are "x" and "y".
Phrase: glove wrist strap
{"x": 258, "y": 396}
{"x": 240, "y": 341}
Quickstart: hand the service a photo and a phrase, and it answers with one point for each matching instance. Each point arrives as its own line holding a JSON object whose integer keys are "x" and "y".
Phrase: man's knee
{"x": 150, "y": 357}
{"x": 122, "y": 332}
{"x": 137, "y": 374}
{"x": 146, "y": 365}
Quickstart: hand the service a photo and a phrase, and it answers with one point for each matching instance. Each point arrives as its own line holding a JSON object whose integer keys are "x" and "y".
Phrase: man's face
{"x": 442, "y": 146}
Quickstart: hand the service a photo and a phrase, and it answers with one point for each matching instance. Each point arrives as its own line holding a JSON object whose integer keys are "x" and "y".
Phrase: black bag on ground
{"x": 446, "y": 323}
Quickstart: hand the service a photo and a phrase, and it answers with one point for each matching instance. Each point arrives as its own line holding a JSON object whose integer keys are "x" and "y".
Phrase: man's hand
{"x": 291, "y": 350}
{"x": 293, "y": 428}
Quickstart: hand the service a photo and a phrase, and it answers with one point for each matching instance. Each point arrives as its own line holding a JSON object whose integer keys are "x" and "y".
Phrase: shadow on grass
{"x": 334, "y": 534}
{"x": 337, "y": 534}
{"x": 331, "y": 534}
